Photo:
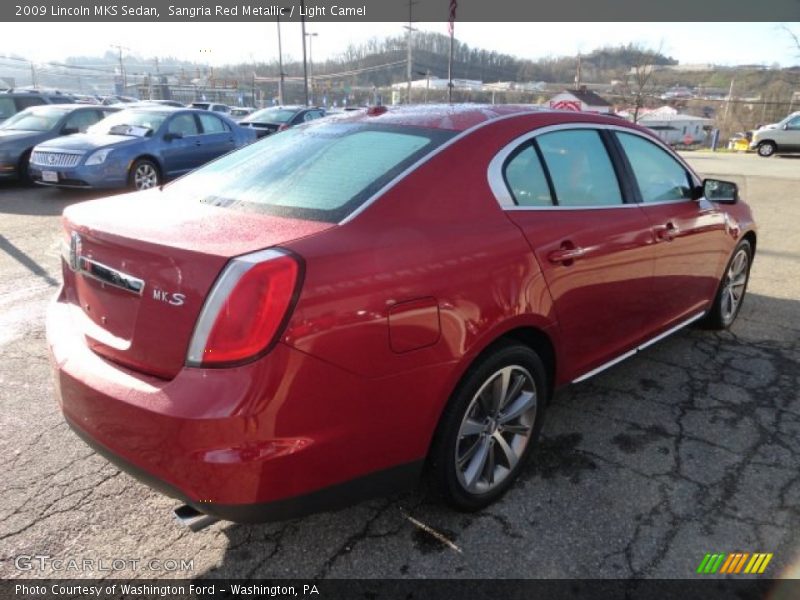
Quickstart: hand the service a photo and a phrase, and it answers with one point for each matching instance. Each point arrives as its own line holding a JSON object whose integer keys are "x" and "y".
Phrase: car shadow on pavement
{"x": 21, "y": 199}
{"x": 637, "y": 468}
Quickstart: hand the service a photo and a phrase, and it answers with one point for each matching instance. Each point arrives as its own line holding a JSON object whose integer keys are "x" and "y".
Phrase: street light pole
{"x": 305, "y": 65}
{"x": 311, "y": 37}
{"x": 409, "y": 57}
{"x": 280, "y": 64}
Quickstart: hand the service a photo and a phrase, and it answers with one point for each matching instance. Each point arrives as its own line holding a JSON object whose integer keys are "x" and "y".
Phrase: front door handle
{"x": 666, "y": 232}
{"x": 566, "y": 255}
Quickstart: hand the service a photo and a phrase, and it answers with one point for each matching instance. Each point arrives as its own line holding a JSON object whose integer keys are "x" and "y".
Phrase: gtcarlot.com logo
{"x": 736, "y": 563}
{"x": 44, "y": 562}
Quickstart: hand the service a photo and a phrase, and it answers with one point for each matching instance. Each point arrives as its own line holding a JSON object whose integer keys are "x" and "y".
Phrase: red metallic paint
{"x": 356, "y": 383}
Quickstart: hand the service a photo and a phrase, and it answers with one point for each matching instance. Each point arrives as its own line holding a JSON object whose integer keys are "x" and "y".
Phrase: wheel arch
{"x": 750, "y": 236}
{"x": 152, "y": 158}
{"x": 533, "y": 336}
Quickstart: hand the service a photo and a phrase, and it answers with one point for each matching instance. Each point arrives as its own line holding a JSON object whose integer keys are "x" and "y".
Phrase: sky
{"x": 225, "y": 43}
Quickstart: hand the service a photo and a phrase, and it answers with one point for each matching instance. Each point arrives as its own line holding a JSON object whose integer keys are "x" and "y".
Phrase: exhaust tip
{"x": 192, "y": 518}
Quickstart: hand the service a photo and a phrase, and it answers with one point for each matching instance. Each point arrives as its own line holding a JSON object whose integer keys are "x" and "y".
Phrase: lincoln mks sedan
{"x": 357, "y": 302}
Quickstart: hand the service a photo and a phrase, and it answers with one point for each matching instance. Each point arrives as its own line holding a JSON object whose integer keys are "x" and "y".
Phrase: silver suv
{"x": 780, "y": 138}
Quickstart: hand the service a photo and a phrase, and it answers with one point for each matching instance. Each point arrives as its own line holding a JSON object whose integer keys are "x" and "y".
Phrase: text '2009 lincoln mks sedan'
{"x": 326, "y": 314}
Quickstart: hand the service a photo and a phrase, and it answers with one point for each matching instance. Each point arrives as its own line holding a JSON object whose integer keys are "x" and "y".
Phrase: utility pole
{"x": 409, "y": 42}
{"x": 578, "y": 74}
{"x": 303, "y": 31}
{"x": 280, "y": 65}
{"x": 311, "y": 37}
{"x": 33, "y": 75}
{"x": 122, "y": 67}
{"x": 728, "y": 103}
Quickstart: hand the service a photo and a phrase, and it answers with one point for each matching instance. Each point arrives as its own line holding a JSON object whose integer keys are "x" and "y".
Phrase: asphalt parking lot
{"x": 691, "y": 447}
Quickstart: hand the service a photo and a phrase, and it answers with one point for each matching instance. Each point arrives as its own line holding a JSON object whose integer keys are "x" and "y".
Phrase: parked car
{"x": 20, "y": 133}
{"x": 240, "y": 112}
{"x": 174, "y": 103}
{"x": 139, "y": 147}
{"x": 117, "y": 99}
{"x": 740, "y": 141}
{"x": 212, "y": 106}
{"x": 14, "y": 100}
{"x": 278, "y": 118}
{"x": 313, "y": 318}
{"x": 778, "y": 138}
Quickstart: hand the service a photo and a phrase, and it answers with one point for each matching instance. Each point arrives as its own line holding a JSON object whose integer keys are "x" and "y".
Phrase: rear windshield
{"x": 272, "y": 115}
{"x": 321, "y": 172}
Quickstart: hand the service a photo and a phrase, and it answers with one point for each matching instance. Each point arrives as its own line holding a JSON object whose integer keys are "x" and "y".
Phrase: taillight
{"x": 283, "y": 127}
{"x": 246, "y": 309}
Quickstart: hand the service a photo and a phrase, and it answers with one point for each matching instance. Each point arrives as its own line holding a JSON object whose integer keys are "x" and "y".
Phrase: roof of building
{"x": 588, "y": 97}
{"x": 671, "y": 117}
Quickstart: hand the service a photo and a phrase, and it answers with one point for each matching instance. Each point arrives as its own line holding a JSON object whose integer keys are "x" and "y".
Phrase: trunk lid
{"x": 146, "y": 265}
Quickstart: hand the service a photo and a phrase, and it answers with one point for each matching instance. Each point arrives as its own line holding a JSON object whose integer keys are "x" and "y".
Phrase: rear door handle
{"x": 566, "y": 255}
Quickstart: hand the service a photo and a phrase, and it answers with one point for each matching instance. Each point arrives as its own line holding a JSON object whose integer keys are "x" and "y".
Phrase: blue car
{"x": 137, "y": 147}
{"x": 37, "y": 124}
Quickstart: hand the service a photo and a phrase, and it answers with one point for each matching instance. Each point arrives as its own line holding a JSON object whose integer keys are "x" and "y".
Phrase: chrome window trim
{"x": 435, "y": 152}
{"x": 502, "y": 194}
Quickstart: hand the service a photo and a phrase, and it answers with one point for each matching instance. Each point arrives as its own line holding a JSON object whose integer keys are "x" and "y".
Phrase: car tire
{"x": 766, "y": 149}
{"x": 23, "y": 174}
{"x": 732, "y": 288}
{"x": 486, "y": 434}
{"x": 144, "y": 174}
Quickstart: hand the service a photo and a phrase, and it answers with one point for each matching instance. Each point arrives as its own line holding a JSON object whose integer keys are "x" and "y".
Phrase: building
{"x": 580, "y": 100}
{"x": 676, "y": 129}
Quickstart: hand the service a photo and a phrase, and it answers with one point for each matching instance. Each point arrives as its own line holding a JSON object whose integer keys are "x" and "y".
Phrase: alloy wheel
{"x": 735, "y": 283}
{"x": 145, "y": 176}
{"x": 496, "y": 429}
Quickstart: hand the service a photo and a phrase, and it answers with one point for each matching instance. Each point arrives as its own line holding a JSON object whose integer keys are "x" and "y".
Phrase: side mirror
{"x": 785, "y": 126}
{"x": 723, "y": 192}
{"x": 172, "y": 135}
{"x": 69, "y": 130}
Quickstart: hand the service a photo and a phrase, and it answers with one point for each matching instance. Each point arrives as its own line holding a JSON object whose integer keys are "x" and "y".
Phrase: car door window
{"x": 793, "y": 123}
{"x": 660, "y": 177}
{"x": 525, "y": 178}
{"x": 81, "y": 120}
{"x": 212, "y": 124}
{"x": 580, "y": 168}
{"x": 184, "y": 125}
{"x": 28, "y": 101}
{"x": 311, "y": 115}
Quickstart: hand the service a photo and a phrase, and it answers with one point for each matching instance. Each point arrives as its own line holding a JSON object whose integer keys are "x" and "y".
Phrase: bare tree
{"x": 794, "y": 36}
{"x": 637, "y": 82}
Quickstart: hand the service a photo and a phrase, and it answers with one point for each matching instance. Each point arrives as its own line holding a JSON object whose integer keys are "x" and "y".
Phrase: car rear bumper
{"x": 280, "y": 437}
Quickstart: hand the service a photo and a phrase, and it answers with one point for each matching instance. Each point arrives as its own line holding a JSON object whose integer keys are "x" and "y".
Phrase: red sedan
{"x": 314, "y": 318}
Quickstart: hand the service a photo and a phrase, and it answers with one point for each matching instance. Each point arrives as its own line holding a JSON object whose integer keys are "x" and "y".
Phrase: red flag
{"x": 451, "y": 26}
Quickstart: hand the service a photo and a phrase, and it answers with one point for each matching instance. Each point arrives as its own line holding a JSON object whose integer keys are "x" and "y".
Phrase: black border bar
{"x": 231, "y": 11}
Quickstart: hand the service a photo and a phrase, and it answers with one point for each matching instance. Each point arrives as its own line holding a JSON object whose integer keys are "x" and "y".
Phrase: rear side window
{"x": 183, "y": 124}
{"x": 525, "y": 178}
{"x": 7, "y": 108}
{"x": 24, "y": 102}
{"x": 660, "y": 177}
{"x": 580, "y": 168}
{"x": 320, "y": 172}
{"x": 81, "y": 120}
{"x": 212, "y": 124}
